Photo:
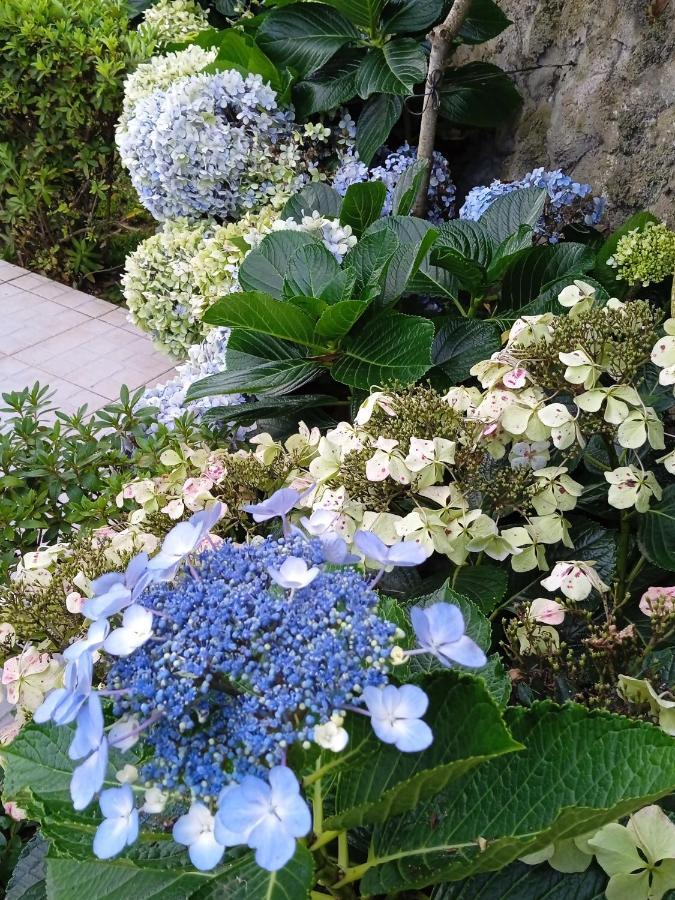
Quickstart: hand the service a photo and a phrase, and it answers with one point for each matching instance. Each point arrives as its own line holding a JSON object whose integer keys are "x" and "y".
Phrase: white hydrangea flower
{"x": 575, "y": 579}
{"x": 632, "y": 487}
{"x": 663, "y": 354}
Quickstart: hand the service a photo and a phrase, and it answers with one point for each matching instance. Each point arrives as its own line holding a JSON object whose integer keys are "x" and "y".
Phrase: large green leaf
{"x": 314, "y": 197}
{"x": 377, "y": 118}
{"x": 338, "y": 319}
{"x": 538, "y": 268}
{"x": 478, "y": 94}
{"x": 257, "y": 364}
{"x": 393, "y": 69}
{"x": 484, "y": 21}
{"x": 156, "y": 877}
{"x": 239, "y": 51}
{"x": 521, "y": 882}
{"x": 310, "y": 270}
{"x": 304, "y": 36}
{"x": 330, "y": 86}
{"x": 656, "y": 534}
{"x": 265, "y": 268}
{"x": 28, "y": 878}
{"x": 415, "y": 236}
{"x": 376, "y": 781}
{"x": 579, "y": 770}
{"x": 370, "y": 257}
{"x": 362, "y": 205}
{"x": 485, "y": 584}
{"x": 37, "y": 760}
{"x": 260, "y": 312}
{"x": 408, "y": 187}
{"x": 507, "y": 213}
{"x": 364, "y": 13}
{"x": 464, "y": 248}
{"x": 247, "y": 413}
{"x": 411, "y": 16}
{"x": 391, "y": 347}
{"x": 508, "y": 250}
{"x": 460, "y": 343}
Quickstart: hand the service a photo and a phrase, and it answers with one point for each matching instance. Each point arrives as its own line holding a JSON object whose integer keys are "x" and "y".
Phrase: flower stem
{"x": 343, "y": 851}
{"x": 317, "y": 808}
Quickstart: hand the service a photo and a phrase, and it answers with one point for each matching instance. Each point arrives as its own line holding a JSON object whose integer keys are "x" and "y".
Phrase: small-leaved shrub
{"x": 62, "y": 191}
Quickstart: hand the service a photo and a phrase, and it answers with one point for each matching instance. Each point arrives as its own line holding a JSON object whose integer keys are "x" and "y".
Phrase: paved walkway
{"x": 82, "y": 347}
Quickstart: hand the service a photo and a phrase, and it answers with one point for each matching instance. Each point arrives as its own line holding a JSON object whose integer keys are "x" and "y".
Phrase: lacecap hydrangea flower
{"x": 170, "y": 21}
{"x": 392, "y": 165}
{"x": 569, "y": 202}
{"x": 206, "y": 145}
{"x": 645, "y": 256}
{"x": 226, "y": 655}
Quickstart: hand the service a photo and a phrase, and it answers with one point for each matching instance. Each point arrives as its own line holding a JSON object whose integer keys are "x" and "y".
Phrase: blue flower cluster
{"x": 238, "y": 673}
{"x": 569, "y": 201}
{"x": 227, "y": 655}
{"x": 206, "y": 145}
{"x": 441, "y": 193}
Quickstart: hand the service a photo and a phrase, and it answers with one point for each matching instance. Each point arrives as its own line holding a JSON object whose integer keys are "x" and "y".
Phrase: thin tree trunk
{"x": 440, "y": 38}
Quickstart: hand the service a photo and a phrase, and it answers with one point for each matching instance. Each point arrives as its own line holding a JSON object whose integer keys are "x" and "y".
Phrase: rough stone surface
{"x": 598, "y": 81}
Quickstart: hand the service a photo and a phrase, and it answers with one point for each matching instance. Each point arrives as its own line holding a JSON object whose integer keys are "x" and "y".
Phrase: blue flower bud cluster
{"x": 239, "y": 670}
{"x": 569, "y": 202}
{"x": 206, "y": 145}
{"x": 441, "y": 194}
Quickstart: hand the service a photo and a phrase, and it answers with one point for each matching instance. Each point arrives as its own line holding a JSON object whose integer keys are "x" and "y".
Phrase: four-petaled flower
{"x": 396, "y": 716}
{"x": 267, "y": 817}
{"x": 575, "y": 579}
{"x": 182, "y": 540}
{"x": 404, "y": 553}
{"x": 440, "y": 631}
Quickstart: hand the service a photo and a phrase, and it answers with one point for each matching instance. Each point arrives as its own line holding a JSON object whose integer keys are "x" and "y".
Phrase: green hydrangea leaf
{"x": 579, "y": 770}
{"x": 380, "y": 782}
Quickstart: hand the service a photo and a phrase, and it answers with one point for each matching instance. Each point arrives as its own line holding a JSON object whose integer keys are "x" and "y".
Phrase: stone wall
{"x": 598, "y": 81}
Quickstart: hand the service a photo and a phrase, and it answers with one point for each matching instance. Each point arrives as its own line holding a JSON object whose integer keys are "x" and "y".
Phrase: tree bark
{"x": 440, "y": 38}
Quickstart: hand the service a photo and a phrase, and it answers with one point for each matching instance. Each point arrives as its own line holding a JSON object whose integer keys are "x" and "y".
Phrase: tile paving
{"x": 82, "y": 347}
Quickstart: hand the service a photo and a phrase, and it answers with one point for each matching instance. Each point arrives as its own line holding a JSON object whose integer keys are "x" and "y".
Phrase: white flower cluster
{"x": 208, "y": 145}
{"x": 173, "y": 20}
{"x": 159, "y": 73}
{"x": 203, "y": 359}
{"x": 336, "y": 238}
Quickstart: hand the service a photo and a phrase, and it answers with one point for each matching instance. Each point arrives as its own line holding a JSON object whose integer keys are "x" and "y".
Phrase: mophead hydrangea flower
{"x": 207, "y": 145}
{"x": 569, "y": 201}
{"x": 645, "y": 256}
{"x": 159, "y": 286}
{"x": 390, "y": 166}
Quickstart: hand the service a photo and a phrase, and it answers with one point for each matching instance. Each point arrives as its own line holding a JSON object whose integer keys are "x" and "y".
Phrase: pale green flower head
{"x": 645, "y": 256}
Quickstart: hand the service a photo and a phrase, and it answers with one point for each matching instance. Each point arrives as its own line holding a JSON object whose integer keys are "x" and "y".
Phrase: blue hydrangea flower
{"x": 441, "y": 194}
{"x": 205, "y": 146}
{"x": 235, "y": 673}
{"x": 119, "y": 827}
{"x": 569, "y": 201}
